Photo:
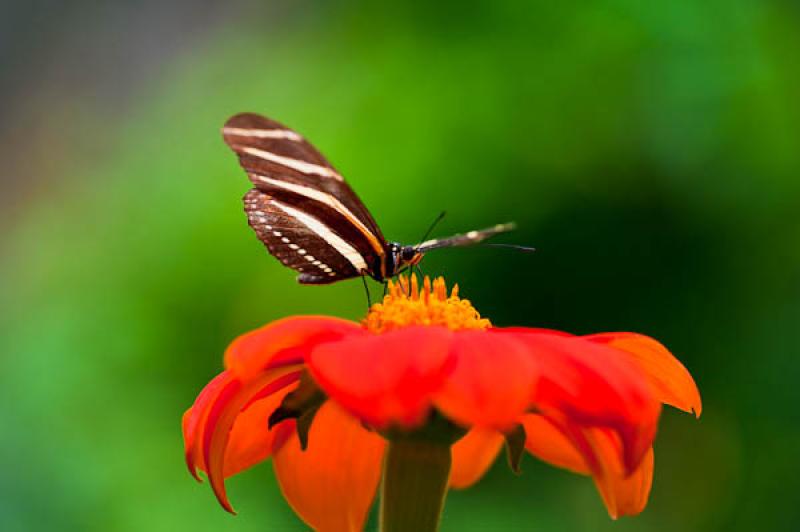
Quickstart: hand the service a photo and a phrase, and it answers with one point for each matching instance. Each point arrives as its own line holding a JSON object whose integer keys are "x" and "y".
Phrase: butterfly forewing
{"x": 270, "y": 152}
{"x": 297, "y": 240}
{"x": 292, "y": 173}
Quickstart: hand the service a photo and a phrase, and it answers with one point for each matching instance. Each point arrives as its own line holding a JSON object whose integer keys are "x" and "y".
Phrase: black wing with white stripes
{"x": 302, "y": 209}
{"x": 309, "y": 217}
{"x": 296, "y": 242}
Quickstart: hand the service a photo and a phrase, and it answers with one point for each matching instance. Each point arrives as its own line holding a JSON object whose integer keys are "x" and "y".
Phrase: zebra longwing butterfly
{"x": 308, "y": 216}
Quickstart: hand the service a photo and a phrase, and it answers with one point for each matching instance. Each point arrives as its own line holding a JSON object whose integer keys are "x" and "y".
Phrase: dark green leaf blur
{"x": 650, "y": 151}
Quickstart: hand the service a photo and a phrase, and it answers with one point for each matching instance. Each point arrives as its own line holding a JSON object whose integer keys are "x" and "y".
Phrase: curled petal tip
{"x": 191, "y": 465}
{"x": 671, "y": 381}
{"x": 222, "y": 496}
{"x": 697, "y": 404}
{"x": 228, "y": 407}
{"x": 194, "y": 474}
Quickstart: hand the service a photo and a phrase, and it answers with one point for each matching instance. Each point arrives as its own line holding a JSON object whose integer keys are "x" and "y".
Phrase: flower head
{"x": 334, "y": 390}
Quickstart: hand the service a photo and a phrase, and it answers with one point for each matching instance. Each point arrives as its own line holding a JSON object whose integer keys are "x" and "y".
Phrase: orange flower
{"x": 589, "y": 404}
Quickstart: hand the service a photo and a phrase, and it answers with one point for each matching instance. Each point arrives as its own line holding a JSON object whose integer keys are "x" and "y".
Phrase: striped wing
{"x": 291, "y": 173}
{"x": 296, "y": 240}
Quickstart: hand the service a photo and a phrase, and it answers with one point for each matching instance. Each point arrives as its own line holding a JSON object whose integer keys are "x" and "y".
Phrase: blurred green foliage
{"x": 648, "y": 150}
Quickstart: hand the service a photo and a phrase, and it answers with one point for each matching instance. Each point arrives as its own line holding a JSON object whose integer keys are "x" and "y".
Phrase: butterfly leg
{"x": 366, "y": 289}
{"x": 385, "y": 287}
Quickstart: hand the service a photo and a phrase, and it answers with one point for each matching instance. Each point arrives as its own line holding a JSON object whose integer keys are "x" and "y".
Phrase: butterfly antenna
{"x": 470, "y": 238}
{"x": 432, "y": 226}
{"x": 524, "y": 249}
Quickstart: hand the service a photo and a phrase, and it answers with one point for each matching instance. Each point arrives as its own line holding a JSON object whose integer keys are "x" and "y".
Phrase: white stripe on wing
{"x": 325, "y": 233}
{"x": 294, "y": 164}
{"x": 287, "y": 134}
{"x": 316, "y": 195}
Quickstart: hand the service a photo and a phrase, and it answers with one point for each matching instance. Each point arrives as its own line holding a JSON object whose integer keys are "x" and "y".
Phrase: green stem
{"x": 415, "y": 478}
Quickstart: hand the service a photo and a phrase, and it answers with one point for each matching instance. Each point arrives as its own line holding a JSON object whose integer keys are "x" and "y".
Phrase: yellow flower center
{"x": 405, "y": 305}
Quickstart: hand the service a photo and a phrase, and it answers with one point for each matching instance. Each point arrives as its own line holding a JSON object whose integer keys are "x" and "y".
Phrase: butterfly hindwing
{"x": 299, "y": 242}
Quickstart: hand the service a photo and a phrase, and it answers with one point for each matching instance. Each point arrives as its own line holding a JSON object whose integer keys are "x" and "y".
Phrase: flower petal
{"x": 251, "y": 441}
{"x": 589, "y": 385}
{"x": 673, "y": 384}
{"x": 386, "y": 378}
{"x": 548, "y": 443}
{"x": 332, "y": 483}
{"x": 491, "y": 383}
{"x": 622, "y": 493}
{"x": 596, "y": 452}
{"x": 195, "y": 416}
{"x": 473, "y": 455}
{"x": 283, "y": 342}
{"x": 223, "y": 413}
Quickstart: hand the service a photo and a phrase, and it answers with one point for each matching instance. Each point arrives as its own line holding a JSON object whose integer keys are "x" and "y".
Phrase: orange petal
{"x": 223, "y": 413}
{"x": 251, "y": 441}
{"x": 193, "y": 419}
{"x": 473, "y": 455}
{"x": 331, "y": 485}
{"x": 386, "y": 378}
{"x": 284, "y": 342}
{"x": 622, "y": 494}
{"x": 597, "y": 452}
{"x": 671, "y": 381}
{"x": 491, "y": 383}
{"x": 548, "y": 443}
{"x": 587, "y": 384}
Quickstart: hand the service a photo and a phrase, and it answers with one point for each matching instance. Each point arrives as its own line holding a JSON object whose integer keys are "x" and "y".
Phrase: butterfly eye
{"x": 408, "y": 253}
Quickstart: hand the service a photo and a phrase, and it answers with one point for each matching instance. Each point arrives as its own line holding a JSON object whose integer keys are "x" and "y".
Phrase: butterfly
{"x": 307, "y": 215}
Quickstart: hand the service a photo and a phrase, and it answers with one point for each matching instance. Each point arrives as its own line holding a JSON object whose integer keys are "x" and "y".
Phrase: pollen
{"x": 406, "y": 304}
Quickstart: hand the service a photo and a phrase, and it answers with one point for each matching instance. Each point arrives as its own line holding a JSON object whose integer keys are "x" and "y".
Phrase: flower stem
{"x": 415, "y": 478}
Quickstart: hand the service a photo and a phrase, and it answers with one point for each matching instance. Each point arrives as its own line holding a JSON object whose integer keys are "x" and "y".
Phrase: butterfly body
{"x": 308, "y": 216}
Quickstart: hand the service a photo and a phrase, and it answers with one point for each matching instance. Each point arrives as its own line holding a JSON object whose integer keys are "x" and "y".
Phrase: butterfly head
{"x": 402, "y": 257}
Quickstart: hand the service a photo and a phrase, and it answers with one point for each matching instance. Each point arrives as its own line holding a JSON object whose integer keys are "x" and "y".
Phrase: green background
{"x": 650, "y": 151}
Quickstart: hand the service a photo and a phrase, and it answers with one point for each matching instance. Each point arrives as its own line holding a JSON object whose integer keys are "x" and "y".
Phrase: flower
{"x": 333, "y": 391}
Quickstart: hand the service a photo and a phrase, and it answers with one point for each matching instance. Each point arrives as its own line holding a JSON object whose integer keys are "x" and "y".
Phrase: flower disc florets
{"x": 405, "y": 305}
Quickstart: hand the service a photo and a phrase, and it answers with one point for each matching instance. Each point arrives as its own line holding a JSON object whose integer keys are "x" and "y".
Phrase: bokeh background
{"x": 650, "y": 151}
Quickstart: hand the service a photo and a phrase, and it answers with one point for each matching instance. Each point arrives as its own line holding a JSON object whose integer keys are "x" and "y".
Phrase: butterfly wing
{"x": 319, "y": 256}
{"x": 291, "y": 173}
